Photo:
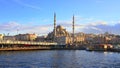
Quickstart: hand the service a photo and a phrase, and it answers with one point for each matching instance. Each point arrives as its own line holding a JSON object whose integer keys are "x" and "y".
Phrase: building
{"x": 12, "y": 38}
{"x": 41, "y": 38}
{"x": 64, "y": 40}
{"x": 26, "y": 37}
{"x": 59, "y": 34}
{"x": 1, "y": 36}
{"x": 79, "y": 37}
{"x": 62, "y": 36}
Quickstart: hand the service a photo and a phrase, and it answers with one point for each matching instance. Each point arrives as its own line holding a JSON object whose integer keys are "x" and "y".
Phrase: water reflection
{"x": 59, "y": 59}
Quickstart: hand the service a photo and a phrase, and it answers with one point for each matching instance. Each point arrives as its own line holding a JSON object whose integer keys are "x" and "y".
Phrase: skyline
{"x": 91, "y": 16}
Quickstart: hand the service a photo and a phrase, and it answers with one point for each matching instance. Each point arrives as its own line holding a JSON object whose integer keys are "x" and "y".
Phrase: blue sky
{"x": 36, "y": 16}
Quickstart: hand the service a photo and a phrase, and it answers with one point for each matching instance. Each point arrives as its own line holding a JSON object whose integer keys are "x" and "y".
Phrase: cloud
{"x": 64, "y": 23}
{"x": 80, "y": 18}
{"x": 20, "y": 2}
{"x": 110, "y": 28}
{"x": 98, "y": 23}
{"x": 94, "y": 27}
{"x": 15, "y": 27}
{"x": 9, "y": 26}
{"x": 44, "y": 29}
{"x": 100, "y": 27}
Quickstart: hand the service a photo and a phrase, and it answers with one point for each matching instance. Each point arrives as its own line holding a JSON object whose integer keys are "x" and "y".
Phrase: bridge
{"x": 9, "y": 42}
{"x": 26, "y": 45}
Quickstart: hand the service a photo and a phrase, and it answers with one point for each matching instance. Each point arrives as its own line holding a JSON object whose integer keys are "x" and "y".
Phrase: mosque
{"x": 60, "y": 35}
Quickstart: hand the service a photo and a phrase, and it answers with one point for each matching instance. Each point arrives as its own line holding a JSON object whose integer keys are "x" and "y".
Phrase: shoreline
{"x": 48, "y": 48}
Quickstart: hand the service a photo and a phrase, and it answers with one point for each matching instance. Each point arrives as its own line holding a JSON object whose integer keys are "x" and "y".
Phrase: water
{"x": 59, "y": 59}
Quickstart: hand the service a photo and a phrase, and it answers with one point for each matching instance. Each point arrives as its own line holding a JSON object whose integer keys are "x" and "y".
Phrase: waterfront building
{"x": 79, "y": 37}
{"x": 59, "y": 34}
{"x": 12, "y": 38}
{"x": 1, "y": 36}
{"x": 115, "y": 40}
{"x": 26, "y": 37}
{"x": 100, "y": 40}
{"x": 60, "y": 31}
{"x": 41, "y": 39}
{"x": 62, "y": 36}
{"x": 64, "y": 40}
{"x": 89, "y": 38}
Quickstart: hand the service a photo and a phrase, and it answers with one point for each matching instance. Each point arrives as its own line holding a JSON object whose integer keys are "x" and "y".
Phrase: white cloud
{"x": 94, "y": 27}
{"x": 38, "y": 29}
{"x": 80, "y": 18}
{"x": 14, "y": 27}
{"x": 10, "y": 26}
{"x": 98, "y": 23}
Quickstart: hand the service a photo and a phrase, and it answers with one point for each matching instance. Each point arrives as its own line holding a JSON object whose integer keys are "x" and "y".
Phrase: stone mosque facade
{"x": 63, "y": 37}
{"x": 60, "y": 31}
{"x": 59, "y": 34}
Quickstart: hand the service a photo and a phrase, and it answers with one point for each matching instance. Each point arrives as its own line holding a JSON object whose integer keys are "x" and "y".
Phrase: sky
{"x": 36, "y": 16}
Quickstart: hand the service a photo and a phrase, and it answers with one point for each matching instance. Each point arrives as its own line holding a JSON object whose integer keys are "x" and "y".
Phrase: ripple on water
{"x": 59, "y": 59}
